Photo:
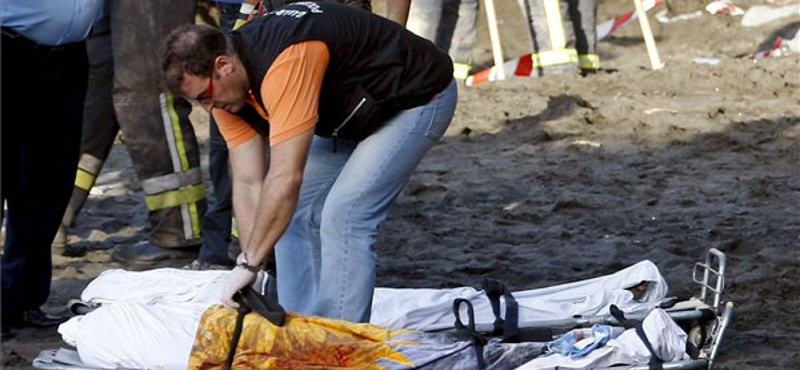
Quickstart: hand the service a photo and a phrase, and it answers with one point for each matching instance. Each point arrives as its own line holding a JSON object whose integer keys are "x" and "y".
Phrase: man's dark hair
{"x": 191, "y": 49}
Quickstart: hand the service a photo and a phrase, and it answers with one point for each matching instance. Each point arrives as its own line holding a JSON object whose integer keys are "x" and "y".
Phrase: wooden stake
{"x": 649, "y": 41}
{"x": 494, "y": 34}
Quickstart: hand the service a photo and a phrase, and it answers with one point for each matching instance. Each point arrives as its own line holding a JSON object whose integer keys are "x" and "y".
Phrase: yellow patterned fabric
{"x": 304, "y": 342}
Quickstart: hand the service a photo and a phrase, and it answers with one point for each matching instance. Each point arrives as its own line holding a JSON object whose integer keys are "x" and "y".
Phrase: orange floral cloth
{"x": 304, "y": 342}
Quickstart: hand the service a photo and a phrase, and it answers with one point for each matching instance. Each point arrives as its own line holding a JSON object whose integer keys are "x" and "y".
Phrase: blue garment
{"x": 50, "y": 22}
{"x": 579, "y": 342}
{"x": 326, "y": 258}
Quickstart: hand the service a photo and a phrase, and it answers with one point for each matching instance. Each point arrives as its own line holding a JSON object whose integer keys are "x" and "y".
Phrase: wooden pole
{"x": 649, "y": 41}
{"x": 494, "y": 34}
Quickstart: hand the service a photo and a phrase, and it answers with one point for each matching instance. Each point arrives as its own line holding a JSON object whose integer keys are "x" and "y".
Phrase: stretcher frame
{"x": 704, "y": 317}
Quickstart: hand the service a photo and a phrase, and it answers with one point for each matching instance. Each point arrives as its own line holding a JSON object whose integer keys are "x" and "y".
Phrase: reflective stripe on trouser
{"x": 88, "y": 169}
{"x": 555, "y": 57}
{"x": 589, "y": 62}
{"x": 183, "y": 188}
{"x": 560, "y": 31}
{"x": 234, "y": 228}
{"x": 584, "y": 26}
{"x": 156, "y": 127}
{"x": 461, "y": 70}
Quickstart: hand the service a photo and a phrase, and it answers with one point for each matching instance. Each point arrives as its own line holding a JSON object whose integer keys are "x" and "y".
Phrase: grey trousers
{"x": 563, "y": 35}
{"x": 450, "y": 24}
{"x": 125, "y": 93}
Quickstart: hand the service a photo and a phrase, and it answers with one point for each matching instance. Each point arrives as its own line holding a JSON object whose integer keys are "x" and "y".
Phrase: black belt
{"x": 15, "y": 38}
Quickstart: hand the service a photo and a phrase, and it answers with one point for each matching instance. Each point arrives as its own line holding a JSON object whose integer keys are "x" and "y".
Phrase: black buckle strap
{"x": 476, "y": 338}
{"x": 237, "y": 332}
{"x": 656, "y": 363}
{"x": 250, "y": 300}
{"x": 508, "y": 327}
{"x": 618, "y": 315}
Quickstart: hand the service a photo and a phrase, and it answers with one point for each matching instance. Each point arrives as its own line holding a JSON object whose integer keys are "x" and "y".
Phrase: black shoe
{"x": 144, "y": 254}
{"x": 33, "y": 318}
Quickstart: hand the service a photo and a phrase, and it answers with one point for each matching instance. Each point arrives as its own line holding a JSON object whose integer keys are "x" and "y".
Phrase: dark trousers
{"x": 43, "y": 90}
{"x": 217, "y": 220}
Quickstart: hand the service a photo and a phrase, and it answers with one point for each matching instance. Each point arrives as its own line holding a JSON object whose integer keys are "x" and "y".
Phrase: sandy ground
{"x": 546, "y": 181}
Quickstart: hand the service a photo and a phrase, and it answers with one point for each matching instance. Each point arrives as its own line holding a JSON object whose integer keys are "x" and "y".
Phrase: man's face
{"x": 220, "y": 91}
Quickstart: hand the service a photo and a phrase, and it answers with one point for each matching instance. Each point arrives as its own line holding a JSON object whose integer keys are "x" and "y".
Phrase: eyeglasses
{"x": 206, "y": 97}
{"x": 209, "y": 91}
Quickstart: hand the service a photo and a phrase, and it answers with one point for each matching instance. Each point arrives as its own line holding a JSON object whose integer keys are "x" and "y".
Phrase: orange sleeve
{"x": 232, "y": 127}
{"x": 290, "y": 89}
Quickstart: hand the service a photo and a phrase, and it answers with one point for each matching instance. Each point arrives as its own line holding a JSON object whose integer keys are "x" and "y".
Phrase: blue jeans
{"x": 326, "y": 258}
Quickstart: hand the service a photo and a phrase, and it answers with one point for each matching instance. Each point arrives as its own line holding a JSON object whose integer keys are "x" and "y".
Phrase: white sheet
{"x": 430, "y": 309}
{"x": 666, "y": 337}
{"x": 148, "y": 319}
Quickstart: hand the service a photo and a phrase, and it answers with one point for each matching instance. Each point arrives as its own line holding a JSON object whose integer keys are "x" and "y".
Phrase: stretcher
{"x": 703, "y": 317}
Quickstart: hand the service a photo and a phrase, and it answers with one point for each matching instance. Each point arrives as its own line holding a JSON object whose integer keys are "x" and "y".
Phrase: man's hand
{"x": 237, "y": 279}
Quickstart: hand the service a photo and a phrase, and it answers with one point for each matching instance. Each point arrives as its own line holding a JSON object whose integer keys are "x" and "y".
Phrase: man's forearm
{"x": 245, "y": 199}
{"x": 276, "y": 205}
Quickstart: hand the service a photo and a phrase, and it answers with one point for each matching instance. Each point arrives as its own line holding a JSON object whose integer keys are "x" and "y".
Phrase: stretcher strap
{"x": 656, "y": 363}
{"x": 237, "y": 333}
{"x": 508, "y": 327}
{"x": 469, "y": 330}
{"x": 249, "y": 300}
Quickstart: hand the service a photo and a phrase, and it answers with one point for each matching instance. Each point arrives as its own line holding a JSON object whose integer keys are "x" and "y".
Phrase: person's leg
{"x": 456, "y": 34}
{"x": 217, "y": 220}
{"x": 552, "y": 36}
{"x": 424, "y": 19}
{"x": 297, "y": 253}
{"x": 359, "y": 202}
{"x": 228, "y": 13}
{"x": 156, "y": 128}
{"x": 584, "y": 22}
{"x": 100, "y": 126}
{"x": 40, "y": 153}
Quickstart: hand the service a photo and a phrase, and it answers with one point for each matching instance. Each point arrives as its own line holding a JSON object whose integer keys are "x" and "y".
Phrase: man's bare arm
{"x": 278, "y": 196}
{"x": 249, "y": 164}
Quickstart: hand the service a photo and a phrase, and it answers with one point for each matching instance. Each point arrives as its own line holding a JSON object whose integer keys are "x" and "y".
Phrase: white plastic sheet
{"x": 148, "y": 319}
{"x": 666, "y": 337}
{"x": 431, "y": 309}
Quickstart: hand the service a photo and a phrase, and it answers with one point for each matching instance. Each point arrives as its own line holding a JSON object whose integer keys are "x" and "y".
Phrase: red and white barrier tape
{"x": 523, "y": 66}
{"x": 776, "y": 50}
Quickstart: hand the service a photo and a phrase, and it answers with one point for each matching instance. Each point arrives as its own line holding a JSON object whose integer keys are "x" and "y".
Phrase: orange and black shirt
{"x": 339, "y": 70}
